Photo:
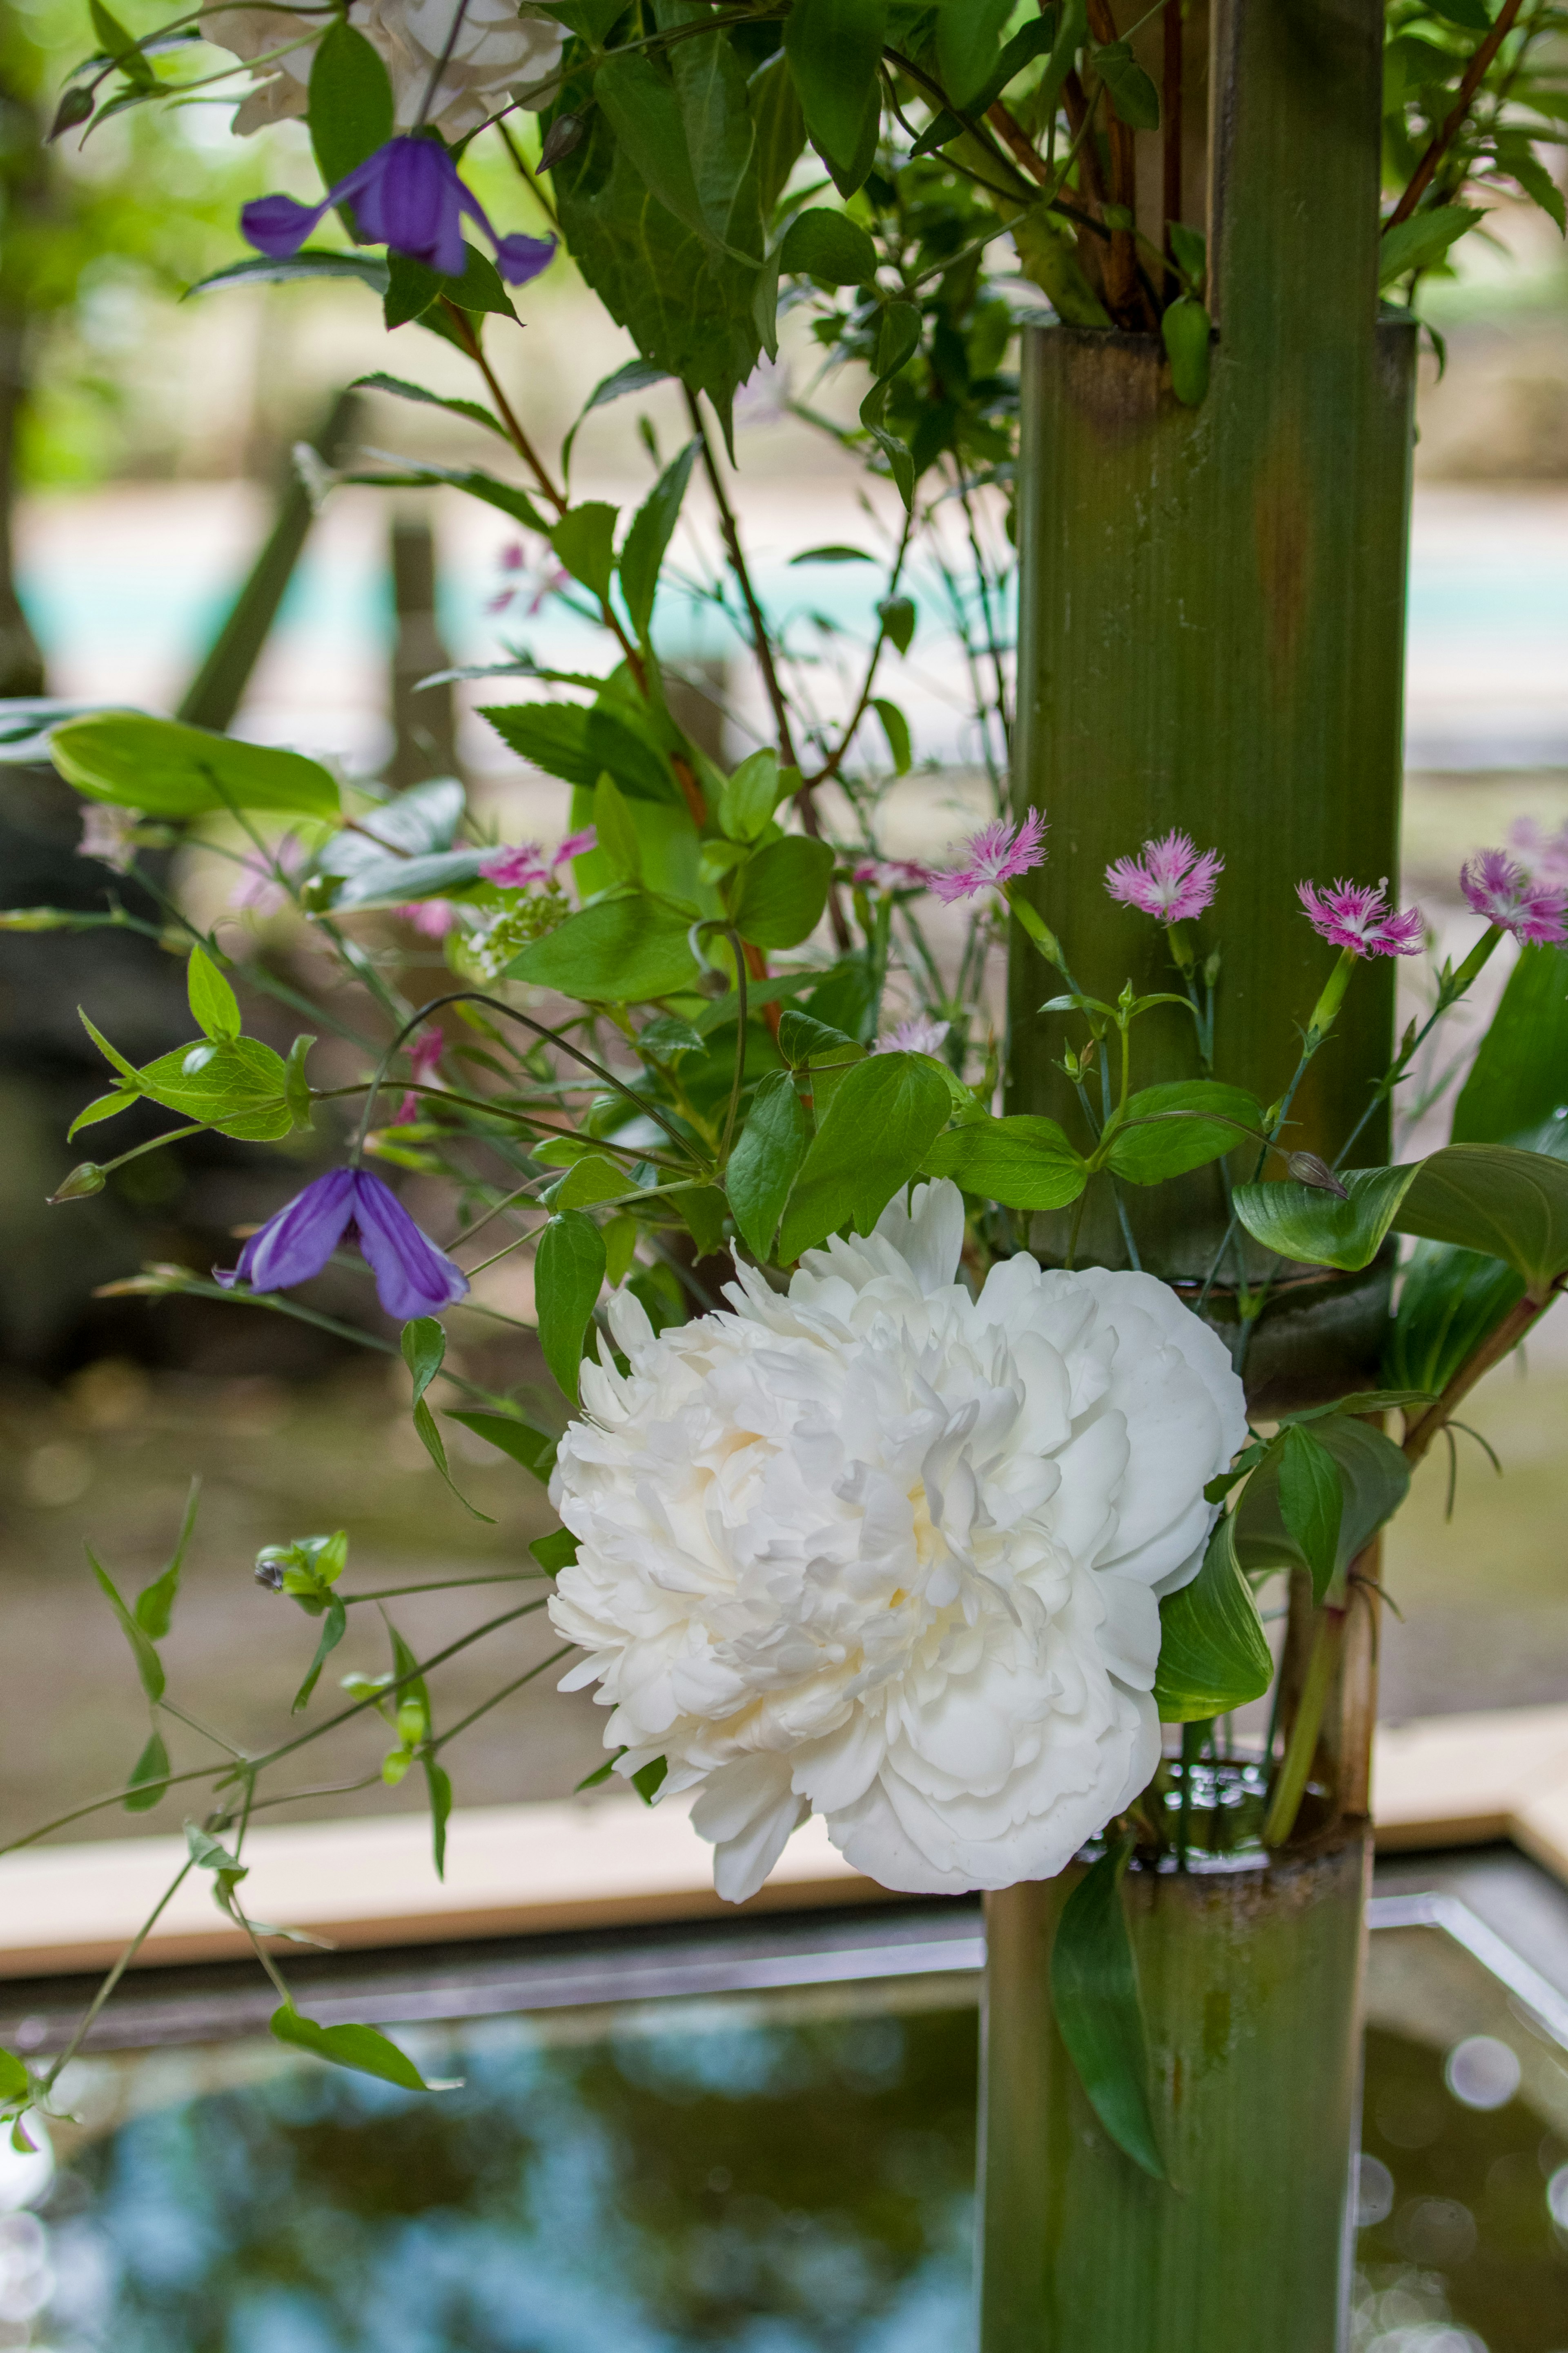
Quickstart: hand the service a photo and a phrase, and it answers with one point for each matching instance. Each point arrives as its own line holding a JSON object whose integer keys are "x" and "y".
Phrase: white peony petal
{"x": 747, "y": 1811}
{"x": 928, "y": 1235}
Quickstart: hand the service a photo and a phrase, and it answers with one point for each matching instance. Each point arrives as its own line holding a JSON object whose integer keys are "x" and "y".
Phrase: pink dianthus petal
{"x": 1172, "y": 880}
{"x": 998, "y": 854}
{"x": 1534, "y": 910}
{"x": 1357, "y": 916}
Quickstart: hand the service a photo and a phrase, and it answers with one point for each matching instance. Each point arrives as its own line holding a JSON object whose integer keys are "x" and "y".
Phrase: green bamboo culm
{"x": 1212, "y": 637}
{"x": 1247, "y": 1980}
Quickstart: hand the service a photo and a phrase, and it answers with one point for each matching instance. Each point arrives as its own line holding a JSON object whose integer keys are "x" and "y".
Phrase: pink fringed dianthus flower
{"x": 522, "y": 868}
{"x": 919, "y": 1035}
{"x": 890, "y": 874}
{"x": 1357, "y": 916}
{"x": 998, "y": 853}
{"x": 1534, "y": 910}
{"x": 1172, "y": 880}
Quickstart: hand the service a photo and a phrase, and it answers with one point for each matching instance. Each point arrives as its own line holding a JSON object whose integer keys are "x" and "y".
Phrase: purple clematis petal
{"x": 408, "y": 197}
{"x": 412, "y": 1276}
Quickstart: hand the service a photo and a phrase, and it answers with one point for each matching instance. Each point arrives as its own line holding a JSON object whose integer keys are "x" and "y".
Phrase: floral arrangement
{"x": 906, "y": 1528}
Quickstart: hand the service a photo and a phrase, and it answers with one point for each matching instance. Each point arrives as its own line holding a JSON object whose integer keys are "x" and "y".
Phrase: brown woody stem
{"x": 1453, "y": 122}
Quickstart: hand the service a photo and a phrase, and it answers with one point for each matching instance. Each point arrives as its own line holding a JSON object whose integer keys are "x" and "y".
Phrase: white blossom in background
{"x": 497, "y": 48}
{"x": 886, "y": 1552}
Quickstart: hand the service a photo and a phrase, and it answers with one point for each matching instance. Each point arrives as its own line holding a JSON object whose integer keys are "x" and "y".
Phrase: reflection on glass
{"x": 787, "y": 2174}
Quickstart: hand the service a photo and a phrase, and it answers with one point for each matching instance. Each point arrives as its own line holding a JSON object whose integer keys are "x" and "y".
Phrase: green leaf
{"x": 149, "y": 1666}
{"x": 149, "y": 1776}
{"x": 534, "y": 1449}
{"x": 781, "y": 129}
{"x": 119, "y": 44}
{"x": 828, "y": 245}
{"x": 617, "y": 952}
{"x": 362, "y": 2048}
{"x": 1518, "y": 1079}
{"x": 154, "y": 1608}
{"x": 1518, "y": 158}
{"x": 568, "y": 1270}
{"x": 308, "y": 266}
{"x": 424, "y": 1344}
{"x": 834, "y": 47}
{"x": 395, "y": 881}
{"x": 782, "y": 892}
{"x": 590, "y": 1180}
{"x": 578, "y": 745}
{"x": 351, "y": 108}
{"x": 505, "y": 497}
{"x": 1375, "y": 1480}
{"x": 1131, "y": 91}
{"x": 765, "y": 1161}
{"x": 240, "y": 1089}
{"x": 401, "y": 389}
{"x": 636, "y": 375}
{"x": 1449, "y": 1301}
{"x": 702, "y": 1211}
{"x": 213, "y": 1001}
{"x": 648, "y": 541}
{"x": 412, "y": 288}
{"x": 895, "y": 728}
{"x": 1187, "y": 331}
{"x": 437, "y": 1780}
{"x": 649, "y": 1779}
{"x": 898, "y": 338}
{"x": 1049, "y": 254}
{"x": 584, "y": 541}
{"x": 1312, "y": 1503}
{"x": 1422, "y": 240}
{"x": 750, "y": 796}
{"x": 968, "y": 45}
{"x": 1512, "y": 1205}
{"x": 1163, "y": 1132}
{"x": 644, "y": 109}
{"x": 1099, "y": 2013}
{"x": 900, "y": 461}
{"x": 1072, "y": 32}
{"x": 877, "y": 1135}
{"x": 1024, "y": 1162}
{"x": 15, "y": 2083}
{"x": 1301, "y": 1222}
{"x": 898, "y": 615}
{"x": 556, "y": 1551}
{"x": 166, "y": 769}
{"x": 296, "y": 1085}
{"x": 103, "y": 1107}
{"x": 803, "y": 1038}
{"x": 617, "y": 836}
{"x": 334, "y": 1626}
{"x": 1213, "y": 1654}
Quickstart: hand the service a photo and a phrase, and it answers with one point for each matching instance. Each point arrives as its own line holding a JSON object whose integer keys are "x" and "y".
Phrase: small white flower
{"x": 885, "y": 1552}
{"x": 497, "y": 46}
{"x": 108, "y": 834}
{"x": 919, "y": 1035}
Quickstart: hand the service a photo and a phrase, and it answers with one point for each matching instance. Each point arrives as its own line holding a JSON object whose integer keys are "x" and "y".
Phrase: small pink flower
{"x": 425, "y": 1049}
{"x": 1544, "y": 856}
{"x": 520, "y": 869}
{"x": 1535, "y": 912}
{"x": 108, "y": 834}
{"x": 919, "y": 1035}
{"x": 1172, "y": 880}
{"x": 890, "y": 874}
{"x": 994, "y": 855}
{"x": 1355, "y": 915}
{"x": 258, "y": 889}
{"x": 431, "y": 918}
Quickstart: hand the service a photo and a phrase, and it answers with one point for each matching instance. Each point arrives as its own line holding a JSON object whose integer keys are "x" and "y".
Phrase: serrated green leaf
{"x": 617, "y": 836}
{"x": 1214, "y": 1652}
{"x": 584, "y": 541}
{"x": 568, "y": 1272}
{"x": 1423, "y": 239}
{"x": 835, "y": 48}
{"x": 308, "y": 267}
{"x": 578, "y": 745}
{"x": 349, "y": 108}
{"x": 1098, "y": 2008}
{"x": 765, "y": 1161}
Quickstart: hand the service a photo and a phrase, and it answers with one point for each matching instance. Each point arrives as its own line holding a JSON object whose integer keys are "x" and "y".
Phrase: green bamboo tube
{"x": 1248, "y": 1978}
{"x": 1211, "y": 636}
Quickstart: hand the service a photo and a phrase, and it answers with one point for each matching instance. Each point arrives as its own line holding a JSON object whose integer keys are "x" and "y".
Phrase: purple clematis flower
{"x": 408, "y": 197}
{"x": 412, "y": 1276}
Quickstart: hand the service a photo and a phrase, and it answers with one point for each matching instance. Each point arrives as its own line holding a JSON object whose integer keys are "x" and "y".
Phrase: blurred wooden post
{"x": 424, "y": 724}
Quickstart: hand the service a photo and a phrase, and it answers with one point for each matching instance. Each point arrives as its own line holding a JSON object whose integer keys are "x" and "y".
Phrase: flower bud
{"x": 74, "y": 106}
{"x": 1308, "y": 1169}
{"x": 89, "y": 1177}
{"x": 565, "y": 134}
{"x": 270, "y": 1571}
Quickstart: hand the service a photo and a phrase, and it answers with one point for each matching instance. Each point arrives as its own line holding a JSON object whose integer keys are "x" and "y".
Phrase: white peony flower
{"x": 496, "y": 46}
{"x": 886, "y": 1552}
